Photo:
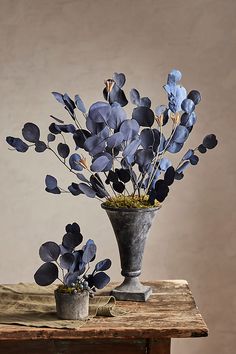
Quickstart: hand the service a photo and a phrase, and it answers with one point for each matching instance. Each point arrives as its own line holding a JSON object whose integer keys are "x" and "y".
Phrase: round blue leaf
{"x": 103, "y": 265}
{"x": 144, "y": 116}
{"x": 74, "y": 189}
{"x": 80, "y": 104}
{"x": 188, "y": 106}
{"x": 99, "y": 112}
{"x": 74, "y": 162}
{"x": 110, "y": 159}
{"x": 180, "y": 135}
{"x": 59, "y": 97}
{"x": 202, "y": 149}
{"x": 119, "y": 187}
{"x": 178, "y": 176}
{"x": 123, "y": 175}
{"x": 71, "y": 240}
{"x": 195, "y": 96}
{"x": 129, "y": 128}
{"x": 188, "y": 120}
{"x": 73, "y": 228}
{"x": 40, "y": 146}
{"x": 210, "y": 141}
{"x": 51, "y": 137}
{"x": 100, "y": 164}
{"x": 54, "y": 128}
{"x": 169, "y": 176}
{"x": 51, "y": 182}
{"x": 174, "y": 147}
{"x": 87, "y": 190}
{"x": 100, "y": 280}
{"x": 94, "y": 145}
{"x": 194, "y": 160}
{"x": 162, "y": 190}
{"x": 115, "y": 140}
{"x": 49, "y": 251}
{"x": 67, "y": 128}
{"x": 135, "y": 97}
{"x": 63, "y": 150}
{"x": 89, "y": 251}
{"x": 145, "y": 102}
{"x": 31, "y": 132}
{"x": 119, "y": 79}
{"x": 66, "y": 260}
{"x": 46, "y": 274}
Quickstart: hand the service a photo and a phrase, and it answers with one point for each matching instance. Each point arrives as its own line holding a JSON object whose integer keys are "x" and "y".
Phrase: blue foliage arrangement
{"x": 74, "y": 264}
{"x": 123, "y": 150}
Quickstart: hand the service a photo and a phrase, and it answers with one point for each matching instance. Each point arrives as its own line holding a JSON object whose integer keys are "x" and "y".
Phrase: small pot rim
{"x": 131, "y": 210}
{"x": 84, "y": 292}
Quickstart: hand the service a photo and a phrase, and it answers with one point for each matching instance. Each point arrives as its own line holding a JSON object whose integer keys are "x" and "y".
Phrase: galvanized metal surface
{"x": 131, "y": 228}
{"x": 72, "y": 306}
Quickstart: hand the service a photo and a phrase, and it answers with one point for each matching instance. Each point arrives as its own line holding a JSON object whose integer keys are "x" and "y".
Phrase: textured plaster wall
{"x": 73, "y": 46}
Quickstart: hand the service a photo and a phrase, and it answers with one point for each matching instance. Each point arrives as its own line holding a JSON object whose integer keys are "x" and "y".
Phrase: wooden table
{"x": 148, "y": 327}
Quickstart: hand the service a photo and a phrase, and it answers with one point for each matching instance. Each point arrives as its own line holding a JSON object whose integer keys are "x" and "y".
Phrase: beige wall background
{"x": 72, "y": 46}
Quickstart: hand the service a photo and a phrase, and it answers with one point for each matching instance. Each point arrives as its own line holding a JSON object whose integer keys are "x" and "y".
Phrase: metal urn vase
{"x": 131, "y": 228}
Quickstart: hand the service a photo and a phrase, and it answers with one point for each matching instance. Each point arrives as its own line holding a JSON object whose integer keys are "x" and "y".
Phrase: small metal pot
{"x": 72, "y": 306}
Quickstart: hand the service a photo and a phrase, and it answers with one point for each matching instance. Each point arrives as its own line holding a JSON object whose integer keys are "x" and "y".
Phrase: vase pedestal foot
{"x": 132, "y": 290}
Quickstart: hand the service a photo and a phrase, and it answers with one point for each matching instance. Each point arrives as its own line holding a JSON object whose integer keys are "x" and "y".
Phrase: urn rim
{"x": 130, "y": 210}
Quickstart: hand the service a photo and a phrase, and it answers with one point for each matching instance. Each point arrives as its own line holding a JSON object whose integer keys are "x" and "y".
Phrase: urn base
{"x": 132, "y": 290}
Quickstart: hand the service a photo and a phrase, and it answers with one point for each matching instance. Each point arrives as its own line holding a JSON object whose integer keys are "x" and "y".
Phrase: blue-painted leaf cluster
{"x": 111, "y": 150}
{"x": 31, "y": 134}
{"x": 75, "y": 263}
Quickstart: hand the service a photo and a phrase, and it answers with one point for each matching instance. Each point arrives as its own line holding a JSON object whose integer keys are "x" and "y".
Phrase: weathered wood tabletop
{"x": 147, "y": 327}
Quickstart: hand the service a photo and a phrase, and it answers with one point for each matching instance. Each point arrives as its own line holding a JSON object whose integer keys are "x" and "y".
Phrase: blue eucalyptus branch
{"x": 120, "y": 146}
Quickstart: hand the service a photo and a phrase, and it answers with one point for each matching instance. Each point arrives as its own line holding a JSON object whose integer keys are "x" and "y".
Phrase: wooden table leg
{"x": 159, "y": 346}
